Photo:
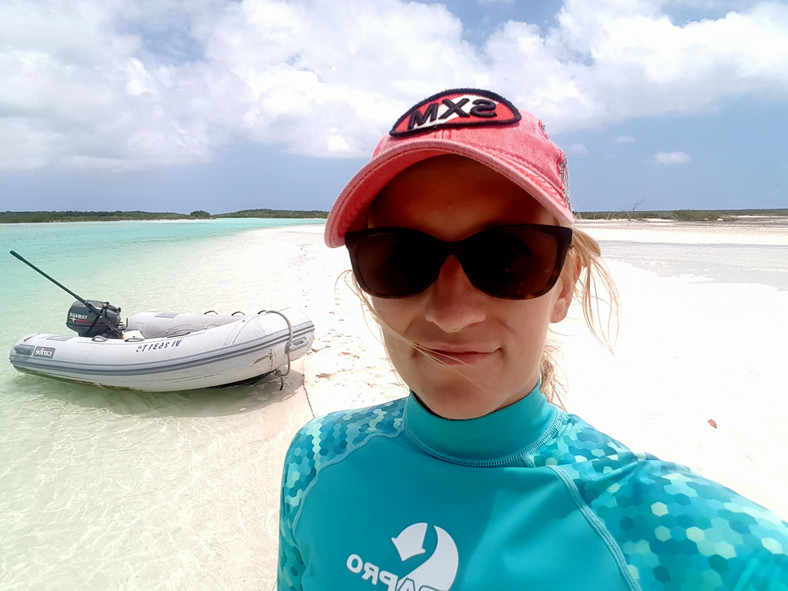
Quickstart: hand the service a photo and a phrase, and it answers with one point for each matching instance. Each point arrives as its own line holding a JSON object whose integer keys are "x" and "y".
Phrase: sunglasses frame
{"x": 561, "y": 235}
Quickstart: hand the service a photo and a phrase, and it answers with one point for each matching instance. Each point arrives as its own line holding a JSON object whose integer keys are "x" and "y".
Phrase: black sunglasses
{"x": 515, "y": 262}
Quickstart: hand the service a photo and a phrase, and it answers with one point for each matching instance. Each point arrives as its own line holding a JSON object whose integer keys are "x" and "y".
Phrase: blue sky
{"x": 168, "y": 105}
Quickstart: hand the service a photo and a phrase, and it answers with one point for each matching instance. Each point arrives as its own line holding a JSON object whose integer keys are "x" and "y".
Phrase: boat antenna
{"x": 98, "y": 312}
{"x": 60, "y": 285}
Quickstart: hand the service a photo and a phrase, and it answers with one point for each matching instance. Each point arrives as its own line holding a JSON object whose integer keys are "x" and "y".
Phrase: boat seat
{"x": 163, "y": 324}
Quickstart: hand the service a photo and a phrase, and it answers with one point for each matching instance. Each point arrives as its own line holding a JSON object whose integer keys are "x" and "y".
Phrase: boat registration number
{"x": 158, "y": 346}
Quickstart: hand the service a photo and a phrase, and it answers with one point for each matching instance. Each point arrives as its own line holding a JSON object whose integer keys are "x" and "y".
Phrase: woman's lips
{"x": 459, "y": 357}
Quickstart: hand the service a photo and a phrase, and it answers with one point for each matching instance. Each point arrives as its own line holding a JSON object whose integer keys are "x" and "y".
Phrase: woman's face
{"x": 489, "y": 349}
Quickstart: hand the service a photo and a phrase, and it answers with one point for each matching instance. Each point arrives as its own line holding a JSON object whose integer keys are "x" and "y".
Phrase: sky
{"x": 219, "y": 105}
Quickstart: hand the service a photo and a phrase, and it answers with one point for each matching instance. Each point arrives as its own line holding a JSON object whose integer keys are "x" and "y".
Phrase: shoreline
{"x": 750, "y": 231}
{"x": 689, "y": 216}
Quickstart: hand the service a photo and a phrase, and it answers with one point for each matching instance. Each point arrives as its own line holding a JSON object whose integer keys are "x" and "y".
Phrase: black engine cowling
{"x": 97, "y": 318}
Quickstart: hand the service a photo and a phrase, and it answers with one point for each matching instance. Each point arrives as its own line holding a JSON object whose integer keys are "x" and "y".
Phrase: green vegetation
{"x": 85, "y": 216}
{"x": 274, "y": 213}
{"x": 682, "y": 215}
{"x": 17, "y": 217}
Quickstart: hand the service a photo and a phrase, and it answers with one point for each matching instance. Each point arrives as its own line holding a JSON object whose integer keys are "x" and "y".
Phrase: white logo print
{"x": 437, "y": 573}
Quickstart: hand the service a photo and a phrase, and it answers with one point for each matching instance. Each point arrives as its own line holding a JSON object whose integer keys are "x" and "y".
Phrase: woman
{"x": 459, "y": 232}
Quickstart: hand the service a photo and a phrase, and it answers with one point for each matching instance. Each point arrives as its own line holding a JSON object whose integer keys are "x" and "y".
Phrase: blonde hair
{"x": 597, "y": 295}
{"x": 593, "y": 282}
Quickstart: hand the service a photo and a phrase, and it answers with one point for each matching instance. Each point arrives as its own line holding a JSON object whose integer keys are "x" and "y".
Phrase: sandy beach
{"x": 698, "y": 376}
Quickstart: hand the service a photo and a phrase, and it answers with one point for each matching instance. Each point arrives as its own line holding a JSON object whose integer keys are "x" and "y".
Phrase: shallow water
{"x": 721, "y": 263}
{"x": 111, "y": 489}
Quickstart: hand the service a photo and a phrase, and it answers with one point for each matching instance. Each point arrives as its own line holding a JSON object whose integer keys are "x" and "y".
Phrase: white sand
{"x": 688, "y": 352}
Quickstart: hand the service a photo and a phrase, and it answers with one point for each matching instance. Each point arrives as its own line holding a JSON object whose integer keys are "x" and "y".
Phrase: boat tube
{"x": 162, "y": 352}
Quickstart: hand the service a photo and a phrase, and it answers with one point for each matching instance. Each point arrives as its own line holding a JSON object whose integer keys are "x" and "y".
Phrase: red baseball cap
{"x": 477, "y": 124}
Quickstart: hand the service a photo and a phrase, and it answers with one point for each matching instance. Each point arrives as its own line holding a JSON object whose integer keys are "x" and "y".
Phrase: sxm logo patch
{"x": 456, "y": 108}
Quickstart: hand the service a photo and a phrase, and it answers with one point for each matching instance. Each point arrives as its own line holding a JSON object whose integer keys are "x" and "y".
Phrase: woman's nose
{"x": 454, "y": 303}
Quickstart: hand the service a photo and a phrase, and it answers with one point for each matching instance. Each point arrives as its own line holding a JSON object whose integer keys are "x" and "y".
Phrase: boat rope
{"x": 278, "y": 371}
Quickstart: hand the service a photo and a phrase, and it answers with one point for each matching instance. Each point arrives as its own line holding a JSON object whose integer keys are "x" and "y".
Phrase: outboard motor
{"x": 90, "y": 318}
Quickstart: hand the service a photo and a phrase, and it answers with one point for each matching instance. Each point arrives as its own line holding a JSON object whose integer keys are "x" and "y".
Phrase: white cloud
{"x": 668, "y": 158}
{"x": 78, "y": 93}
{"x": 85, "y": 85}
{"x": 578, "y": 149}
{"x": 624, "y": 139}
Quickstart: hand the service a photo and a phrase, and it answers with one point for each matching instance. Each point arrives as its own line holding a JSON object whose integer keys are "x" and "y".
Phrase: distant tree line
{"x": 86, "y": 216}
{"x": 11, "y": 217}
{"x": 275, "y": 213}
{"x": 683, "y": 215}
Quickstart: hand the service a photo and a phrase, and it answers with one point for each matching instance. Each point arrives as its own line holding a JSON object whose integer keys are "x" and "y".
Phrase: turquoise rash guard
{"x": 529, "y": 497}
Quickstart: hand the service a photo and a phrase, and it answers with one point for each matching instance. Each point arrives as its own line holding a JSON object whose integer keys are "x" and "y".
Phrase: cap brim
{"x": 350, "y": 209}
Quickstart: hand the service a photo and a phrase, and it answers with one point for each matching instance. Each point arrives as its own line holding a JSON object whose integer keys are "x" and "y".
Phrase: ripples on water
{"x": 722, "y": 263}
{"x": 749, "y": 250}
{"x": 109, "y": 489}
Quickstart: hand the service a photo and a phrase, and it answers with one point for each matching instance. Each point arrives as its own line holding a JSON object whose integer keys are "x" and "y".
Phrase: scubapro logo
{"x": 436, "y": 573}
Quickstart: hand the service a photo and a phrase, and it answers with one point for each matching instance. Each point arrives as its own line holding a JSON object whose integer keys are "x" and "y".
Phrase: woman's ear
{"x": 566, "y": 287}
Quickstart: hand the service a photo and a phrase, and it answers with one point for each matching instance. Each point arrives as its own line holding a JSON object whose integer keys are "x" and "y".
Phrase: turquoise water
{"x": 131, "y": 264}
{"x": 108, "y": 489}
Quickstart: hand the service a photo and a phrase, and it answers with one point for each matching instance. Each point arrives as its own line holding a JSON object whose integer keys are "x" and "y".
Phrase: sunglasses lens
{"x": 394, "y": 263}
{"x": 517, "y": 262}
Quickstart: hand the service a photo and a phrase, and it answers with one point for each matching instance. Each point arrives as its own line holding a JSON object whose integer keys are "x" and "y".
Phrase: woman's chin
{"x": 458, "y": 403}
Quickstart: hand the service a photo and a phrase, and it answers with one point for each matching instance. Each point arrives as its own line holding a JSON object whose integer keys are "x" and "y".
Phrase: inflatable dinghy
{"x": 159, "y": 352}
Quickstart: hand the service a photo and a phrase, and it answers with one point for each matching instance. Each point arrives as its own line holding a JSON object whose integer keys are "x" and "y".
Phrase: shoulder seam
{"x": 339, "y": 458}
{"x": 600, "y": 529}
